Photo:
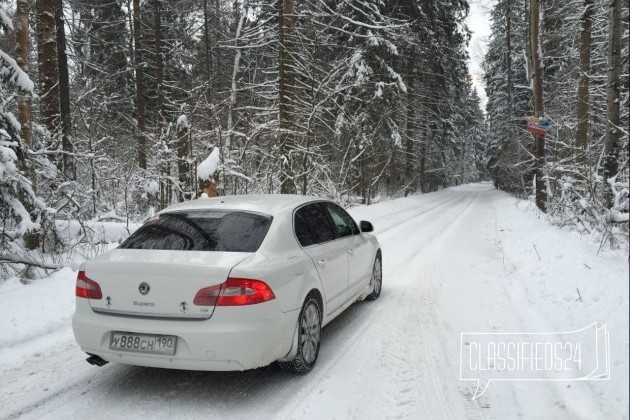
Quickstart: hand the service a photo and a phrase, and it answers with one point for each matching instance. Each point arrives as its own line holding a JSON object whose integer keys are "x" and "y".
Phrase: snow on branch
{"x": 10, "y": 71}
{"x": 5, "y": 22}
{"x": 373, "y": 25}
{"x": 14, "y": 259}
{"x": 182, "y": 122}
{"x": 209, "y": 166}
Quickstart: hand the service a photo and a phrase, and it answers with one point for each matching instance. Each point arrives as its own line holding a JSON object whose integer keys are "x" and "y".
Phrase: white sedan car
{"x": 227, "y": 283}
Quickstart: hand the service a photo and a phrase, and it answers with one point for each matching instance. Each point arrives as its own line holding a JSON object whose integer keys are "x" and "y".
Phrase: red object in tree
{"x": 532, "y": 127}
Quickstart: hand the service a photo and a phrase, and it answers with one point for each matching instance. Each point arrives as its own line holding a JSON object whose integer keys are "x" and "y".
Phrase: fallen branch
{"x": 32, "y": 263}
{"x": 534, "y": 245}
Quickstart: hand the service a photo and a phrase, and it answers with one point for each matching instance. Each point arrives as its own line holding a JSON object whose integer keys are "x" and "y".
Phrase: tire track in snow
{"x": 415, "y": 212}
{"x": 473, "y": 409}
{"x": 442, "y": 342}
{"x": 433, "y": 345}
{"x": 412, "y": 344}
{"x": 431, "y": 363}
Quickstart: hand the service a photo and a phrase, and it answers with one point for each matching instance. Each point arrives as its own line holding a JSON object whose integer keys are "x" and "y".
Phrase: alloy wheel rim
{"x": 377, "y": 275}
{"x": 309, "y": 333}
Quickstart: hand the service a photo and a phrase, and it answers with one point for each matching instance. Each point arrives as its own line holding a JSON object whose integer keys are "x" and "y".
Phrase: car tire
{"x": 309, "y": 338}
{"x": 377, "y": 277}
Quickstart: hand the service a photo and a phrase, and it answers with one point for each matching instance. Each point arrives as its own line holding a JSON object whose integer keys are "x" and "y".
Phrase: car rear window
{"x": 201, "y": 230}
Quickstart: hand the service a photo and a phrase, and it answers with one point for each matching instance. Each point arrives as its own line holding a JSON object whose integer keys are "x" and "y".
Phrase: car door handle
{"x": 350, "y": 251}
{"x": 321, "y": 263}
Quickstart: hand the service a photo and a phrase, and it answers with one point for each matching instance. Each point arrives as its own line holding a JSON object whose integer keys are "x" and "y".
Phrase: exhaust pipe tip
{"x": 96, "y": 360}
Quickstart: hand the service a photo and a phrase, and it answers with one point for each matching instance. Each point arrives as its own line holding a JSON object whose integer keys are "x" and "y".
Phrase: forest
{"x": 108, "y": 108}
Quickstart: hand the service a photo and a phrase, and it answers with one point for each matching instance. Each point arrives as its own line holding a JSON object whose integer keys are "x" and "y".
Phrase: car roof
{"x": 261, "y": 203}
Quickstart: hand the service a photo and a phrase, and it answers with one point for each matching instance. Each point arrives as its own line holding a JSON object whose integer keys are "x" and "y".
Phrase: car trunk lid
{"x": 158, "y": 283}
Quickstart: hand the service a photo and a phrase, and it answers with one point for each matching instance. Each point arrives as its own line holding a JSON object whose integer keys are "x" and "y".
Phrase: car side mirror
{"x": 366, "y": 226}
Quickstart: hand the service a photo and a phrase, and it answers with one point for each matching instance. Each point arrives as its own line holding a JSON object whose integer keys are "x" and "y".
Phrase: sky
{"x": 479, "y": 24}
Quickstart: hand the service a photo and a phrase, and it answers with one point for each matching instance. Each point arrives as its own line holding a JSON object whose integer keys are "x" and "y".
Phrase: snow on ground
{"x": 40, "y": 309}
{"x": 465, "y": 259}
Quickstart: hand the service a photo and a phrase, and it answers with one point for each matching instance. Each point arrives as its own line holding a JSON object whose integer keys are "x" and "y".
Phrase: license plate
{"x": 143, "y": 343}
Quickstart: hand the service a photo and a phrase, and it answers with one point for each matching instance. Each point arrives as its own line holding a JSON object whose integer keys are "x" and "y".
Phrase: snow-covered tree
{"x": 20, "y": 209}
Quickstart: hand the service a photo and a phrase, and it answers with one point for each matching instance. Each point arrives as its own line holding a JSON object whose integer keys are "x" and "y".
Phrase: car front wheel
{"x": 377, "y": 278}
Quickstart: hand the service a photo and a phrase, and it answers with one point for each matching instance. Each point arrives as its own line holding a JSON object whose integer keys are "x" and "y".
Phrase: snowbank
{"x": 37, "y": 309}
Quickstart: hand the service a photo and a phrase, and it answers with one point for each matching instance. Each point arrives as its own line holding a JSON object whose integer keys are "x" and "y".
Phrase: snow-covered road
{"x": 465, "y": 259}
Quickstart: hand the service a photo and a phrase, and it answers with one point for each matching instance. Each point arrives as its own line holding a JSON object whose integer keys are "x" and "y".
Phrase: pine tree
{"x": 20, "y": 209}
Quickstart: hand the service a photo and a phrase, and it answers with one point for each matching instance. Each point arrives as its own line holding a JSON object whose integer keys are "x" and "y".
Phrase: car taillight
{"x": 234, "y": 292}
{"x": 87, "y": 288}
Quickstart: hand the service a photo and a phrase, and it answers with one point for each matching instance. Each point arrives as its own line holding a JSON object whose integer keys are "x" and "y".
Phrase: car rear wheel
{"x": 309, "y": 337}
{"x": 377, "y": 278}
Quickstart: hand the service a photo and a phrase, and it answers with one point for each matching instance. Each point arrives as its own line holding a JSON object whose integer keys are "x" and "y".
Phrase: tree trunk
{"x": 286, "y": 83}
{"x": 234, "y": 91}
{"x": 509, "y": 87}
{"x": 22, "y": 47}
{"x": 137, "y": 62}
{"x": 611, "y": 153}
{"x": 215, "y": 25}
{"x": 393, "y": 183}
{"x": 159, "y": 66}
{"x": 410, "y": 129}
{"x": 423, "y": 164}
{"x": 581, "y": 139}
{"x": 48, "y": 73}
{"x": 537, "y": 93}
{"x": 165, "y": 164}
{"x": 183, "y": 166}
{"x": 206, "y": 38}
{"x": 210, "y": 64}
{"x": 67, "y": 161}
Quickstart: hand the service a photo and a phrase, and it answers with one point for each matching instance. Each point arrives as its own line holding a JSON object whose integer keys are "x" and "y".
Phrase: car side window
{"x": 312, "y": 225}
{"x": 302, "y": 232}
{"x": 344, "y": 223}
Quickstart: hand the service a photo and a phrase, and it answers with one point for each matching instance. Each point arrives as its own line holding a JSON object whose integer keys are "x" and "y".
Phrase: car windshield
{"x": 201, "y": 230}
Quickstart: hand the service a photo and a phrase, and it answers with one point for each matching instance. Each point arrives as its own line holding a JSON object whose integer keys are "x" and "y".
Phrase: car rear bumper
{"x": 235, "y": 338}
